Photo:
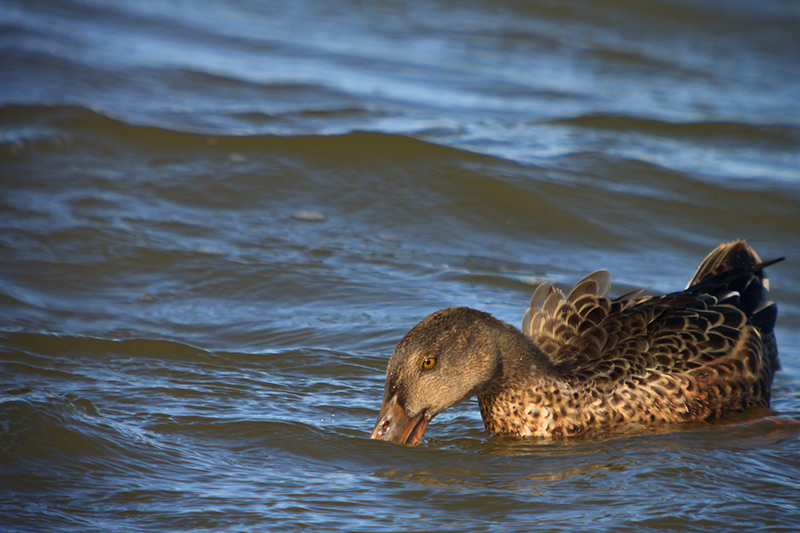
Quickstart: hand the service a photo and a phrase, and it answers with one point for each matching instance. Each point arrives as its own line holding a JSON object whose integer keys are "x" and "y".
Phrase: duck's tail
{"x": 736, "y": 268}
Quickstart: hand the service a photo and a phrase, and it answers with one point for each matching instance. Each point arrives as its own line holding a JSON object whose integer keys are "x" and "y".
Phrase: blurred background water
{"x": 218, "y": 218}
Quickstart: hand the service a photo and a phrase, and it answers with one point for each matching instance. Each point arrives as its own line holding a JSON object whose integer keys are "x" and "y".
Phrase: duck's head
{"x": 446, "y": 358}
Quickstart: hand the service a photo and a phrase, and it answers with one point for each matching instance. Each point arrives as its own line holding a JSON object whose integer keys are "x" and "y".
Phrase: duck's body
{"x": 585, "y": 363}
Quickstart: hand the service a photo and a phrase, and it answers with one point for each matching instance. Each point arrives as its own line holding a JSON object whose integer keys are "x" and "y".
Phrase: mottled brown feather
{"x": 696, "y": 354}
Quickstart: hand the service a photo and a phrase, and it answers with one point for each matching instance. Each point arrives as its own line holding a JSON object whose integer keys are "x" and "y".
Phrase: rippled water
{"x": 217, "y": 219}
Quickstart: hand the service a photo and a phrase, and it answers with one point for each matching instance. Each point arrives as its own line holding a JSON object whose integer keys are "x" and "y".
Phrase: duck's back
{"x": 697, "y": 354}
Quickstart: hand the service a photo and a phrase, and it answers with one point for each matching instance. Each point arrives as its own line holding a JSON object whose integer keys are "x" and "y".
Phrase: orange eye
{"x": 428, "y": 363}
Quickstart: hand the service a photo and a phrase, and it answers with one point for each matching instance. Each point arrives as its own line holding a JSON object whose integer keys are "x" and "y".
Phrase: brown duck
{"x": 589, "y": 364}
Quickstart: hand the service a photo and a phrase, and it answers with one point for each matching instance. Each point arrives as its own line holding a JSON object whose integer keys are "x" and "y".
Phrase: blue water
{"x": 218, "y": 218}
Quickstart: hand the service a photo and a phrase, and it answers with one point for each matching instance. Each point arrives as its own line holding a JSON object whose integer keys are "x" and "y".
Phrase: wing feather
{"x": 552, "y": 320}
{"x": 664, "y": 341}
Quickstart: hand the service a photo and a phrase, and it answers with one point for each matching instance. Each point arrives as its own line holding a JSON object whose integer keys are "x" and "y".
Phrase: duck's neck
{"x": 526, "y": 394}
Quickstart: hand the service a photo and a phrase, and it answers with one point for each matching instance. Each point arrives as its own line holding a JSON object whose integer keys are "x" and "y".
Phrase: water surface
{"x": 218, "y": 218}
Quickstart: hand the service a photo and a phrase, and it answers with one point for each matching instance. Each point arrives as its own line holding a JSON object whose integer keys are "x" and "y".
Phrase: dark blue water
{"x": 218, "y": 218}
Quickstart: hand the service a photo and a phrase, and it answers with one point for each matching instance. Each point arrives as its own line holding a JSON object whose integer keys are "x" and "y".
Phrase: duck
{"x": 587, "y": 364}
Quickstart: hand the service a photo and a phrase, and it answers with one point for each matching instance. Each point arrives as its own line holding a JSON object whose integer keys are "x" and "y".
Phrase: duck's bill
{"x": 395, "y": 425}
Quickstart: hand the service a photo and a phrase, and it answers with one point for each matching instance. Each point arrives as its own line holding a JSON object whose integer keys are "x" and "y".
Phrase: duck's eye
{"x": 428, "y": 363}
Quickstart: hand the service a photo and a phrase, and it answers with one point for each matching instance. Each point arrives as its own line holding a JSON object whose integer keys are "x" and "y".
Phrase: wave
{"x": 88, "y": 347}
{"x": 77, "y": 122}
{"x": 772, "y": 136}
{"x": 144, "y": 407}
{"x": 382, "y": 179}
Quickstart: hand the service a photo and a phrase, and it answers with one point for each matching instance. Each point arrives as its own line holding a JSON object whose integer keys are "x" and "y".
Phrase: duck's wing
{"x": 735, "y": 255}
{"x": 552, "y": 319}
{"x": 706, "y": 328}
{"x": 669, "y": 335}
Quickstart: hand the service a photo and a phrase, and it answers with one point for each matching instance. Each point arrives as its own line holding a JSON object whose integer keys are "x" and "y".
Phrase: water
{"x": 219, "y": 217}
